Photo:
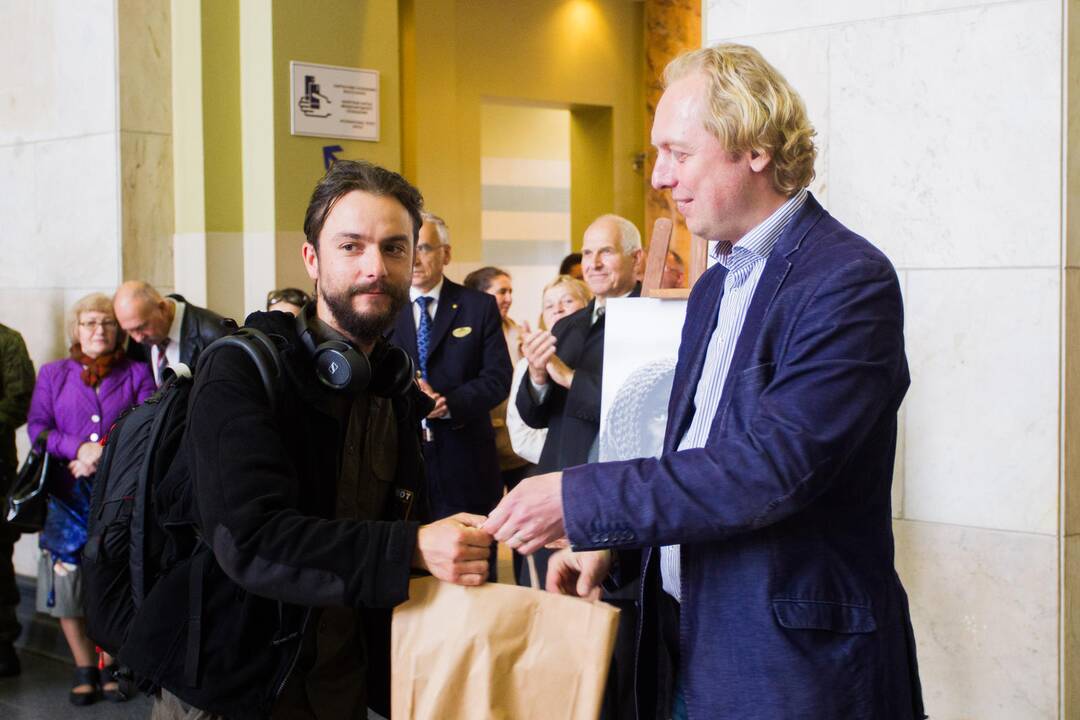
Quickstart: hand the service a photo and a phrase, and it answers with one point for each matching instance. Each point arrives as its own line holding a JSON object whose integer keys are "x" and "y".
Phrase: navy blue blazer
{"x": 791, "y": 606}
{"x": 469, "y": 364}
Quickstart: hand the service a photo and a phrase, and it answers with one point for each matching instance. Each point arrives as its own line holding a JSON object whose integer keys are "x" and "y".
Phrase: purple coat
{"x": 74, "y": 412}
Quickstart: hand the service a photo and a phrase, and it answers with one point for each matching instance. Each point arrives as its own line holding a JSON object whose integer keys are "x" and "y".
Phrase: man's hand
{"x": 560, "y": 372}
{"x": 454, "y": 549}
{"x": 578, "y": 574}
{"x": 531, "y": 515}
{"x": 441, "y": 409}
{"x": 538, "y": 348}
{"x": 89, "y": 453}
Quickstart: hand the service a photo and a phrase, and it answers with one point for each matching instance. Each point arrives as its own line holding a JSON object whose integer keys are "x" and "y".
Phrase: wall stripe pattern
{"x": 525, "y": 210}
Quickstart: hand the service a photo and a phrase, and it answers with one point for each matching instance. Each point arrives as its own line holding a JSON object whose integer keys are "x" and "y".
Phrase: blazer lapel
{"x": 449, "y": 300}
{"x": 776, "y": 270}
{"x": 700, "y": 327}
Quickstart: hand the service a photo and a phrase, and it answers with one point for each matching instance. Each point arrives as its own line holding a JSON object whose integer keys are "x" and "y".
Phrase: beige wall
{"x": 85, "y": 163}
{"x": 940, "y": 129}
{"x": 556, "y": 54}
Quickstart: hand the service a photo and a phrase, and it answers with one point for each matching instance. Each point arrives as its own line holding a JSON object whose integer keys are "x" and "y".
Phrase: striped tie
{"x": 162, "y": 360}
{"x": 423, "y": 334}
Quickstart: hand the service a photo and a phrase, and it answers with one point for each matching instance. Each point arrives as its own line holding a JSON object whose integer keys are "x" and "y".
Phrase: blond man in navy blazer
{"x": 763, "y": 533}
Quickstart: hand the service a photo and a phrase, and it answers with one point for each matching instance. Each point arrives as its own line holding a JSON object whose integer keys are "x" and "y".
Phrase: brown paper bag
{"x": 498, "y": 652}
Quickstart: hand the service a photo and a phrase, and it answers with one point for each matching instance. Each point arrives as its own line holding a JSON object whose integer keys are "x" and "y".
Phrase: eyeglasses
{"x": 93, "y": 325}
{"x": 425, "y": 249}
{"x": 289, "y": 295}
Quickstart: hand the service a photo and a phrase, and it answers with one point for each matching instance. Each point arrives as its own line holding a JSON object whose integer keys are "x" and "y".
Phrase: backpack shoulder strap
{"x": 262, "y": 351}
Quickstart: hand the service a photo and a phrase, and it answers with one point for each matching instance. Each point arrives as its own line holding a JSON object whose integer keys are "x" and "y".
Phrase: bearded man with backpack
{"x": 292, "y": 510}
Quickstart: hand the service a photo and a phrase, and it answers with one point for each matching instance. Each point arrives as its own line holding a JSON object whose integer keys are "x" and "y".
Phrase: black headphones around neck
{"x": 389, "y": 372}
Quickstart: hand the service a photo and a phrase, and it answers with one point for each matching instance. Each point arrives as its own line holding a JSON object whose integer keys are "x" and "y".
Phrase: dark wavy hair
{"x": 343, "y": 177}
{"x": 481, "y": 279}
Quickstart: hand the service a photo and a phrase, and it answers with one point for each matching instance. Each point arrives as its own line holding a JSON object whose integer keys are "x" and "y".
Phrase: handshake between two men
{"x": 456, "y": 549}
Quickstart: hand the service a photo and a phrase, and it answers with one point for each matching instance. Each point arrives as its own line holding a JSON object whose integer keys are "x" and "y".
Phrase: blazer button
{"x": 95, "y": 418}
{"x": 93, "y": 437}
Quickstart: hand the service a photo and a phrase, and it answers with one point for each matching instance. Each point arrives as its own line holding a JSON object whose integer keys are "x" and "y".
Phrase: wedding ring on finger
{"x": 516, "y": 541}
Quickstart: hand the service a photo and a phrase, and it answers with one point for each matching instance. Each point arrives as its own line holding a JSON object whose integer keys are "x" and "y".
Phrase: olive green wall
{"x": 328, "y": 32}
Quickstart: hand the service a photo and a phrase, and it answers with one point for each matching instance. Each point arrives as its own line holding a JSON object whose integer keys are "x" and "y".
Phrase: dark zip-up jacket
{"x": 16, "y": 387}
{"x": 263, "y": 500}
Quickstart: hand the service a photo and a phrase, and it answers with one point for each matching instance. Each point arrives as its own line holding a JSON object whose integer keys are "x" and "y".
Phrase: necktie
{"x": 600, "y": 314}
{"x": 423, "y": 334}
{"x": 162, "y": 361}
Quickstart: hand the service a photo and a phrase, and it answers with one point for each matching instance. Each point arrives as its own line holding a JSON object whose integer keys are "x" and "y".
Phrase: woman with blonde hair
{"x": 76, "y": 400}
{"x": 562, "y": 296}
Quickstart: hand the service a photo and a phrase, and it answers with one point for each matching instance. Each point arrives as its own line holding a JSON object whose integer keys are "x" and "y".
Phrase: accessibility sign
{"x": 336, "y": 102}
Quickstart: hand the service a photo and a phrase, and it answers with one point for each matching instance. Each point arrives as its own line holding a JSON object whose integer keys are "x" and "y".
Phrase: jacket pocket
{"x": 824, "y": 615}
{"x": 746, "y": 389}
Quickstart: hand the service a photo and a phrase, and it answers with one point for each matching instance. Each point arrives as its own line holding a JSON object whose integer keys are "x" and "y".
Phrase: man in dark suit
{"x": 763, "y": 533}
{"x": 566, "y": 363}
{"x": 165, "y": 330}
{"x": 454, "y": 335}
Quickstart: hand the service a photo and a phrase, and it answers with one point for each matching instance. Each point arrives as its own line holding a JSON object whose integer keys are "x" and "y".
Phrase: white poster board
{"x": 641, "y": 345}
{"x": 334, "y": 102}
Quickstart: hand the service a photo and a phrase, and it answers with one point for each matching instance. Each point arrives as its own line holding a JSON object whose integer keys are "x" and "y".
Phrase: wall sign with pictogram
{"x": 332, "y": 101}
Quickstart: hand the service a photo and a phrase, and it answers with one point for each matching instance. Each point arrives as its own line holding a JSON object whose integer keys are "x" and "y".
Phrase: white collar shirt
{"x": 172, "y": 351}
{"x": 433, "y": 293}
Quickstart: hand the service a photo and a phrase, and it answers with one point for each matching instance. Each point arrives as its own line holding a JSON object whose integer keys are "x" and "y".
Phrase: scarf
{"x": 95, "y": 369}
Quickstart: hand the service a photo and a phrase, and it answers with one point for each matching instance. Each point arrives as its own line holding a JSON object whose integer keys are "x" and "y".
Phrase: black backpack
{"x": 127, "y": 539}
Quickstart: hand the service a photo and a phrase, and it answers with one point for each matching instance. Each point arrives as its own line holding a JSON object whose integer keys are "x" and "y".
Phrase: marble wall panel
{"x": 17, "y": 221}
{"x": 69, "y": 212}
{"x": 38, "y": 314}
{"x": 147, "y": 207}
{"x": 933, "y": 137}
{"x": 740, "y": 18}
{"x": 981, "y": 426}
{"x": 145, "y": 65}
{"x": 59, "y": 70}
{"x": 803, "y": 58}
{"x": 984, "y": 606}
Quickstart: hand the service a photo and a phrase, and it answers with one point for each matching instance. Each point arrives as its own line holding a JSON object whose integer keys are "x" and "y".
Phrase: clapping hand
{"x": 538, "y": 347}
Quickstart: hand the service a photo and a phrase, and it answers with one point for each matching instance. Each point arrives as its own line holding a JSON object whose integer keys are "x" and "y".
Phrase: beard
{"x": 365, "y": 327}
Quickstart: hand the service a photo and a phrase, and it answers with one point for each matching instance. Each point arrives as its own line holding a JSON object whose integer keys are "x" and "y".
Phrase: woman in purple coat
{"x": 76, "y": 400}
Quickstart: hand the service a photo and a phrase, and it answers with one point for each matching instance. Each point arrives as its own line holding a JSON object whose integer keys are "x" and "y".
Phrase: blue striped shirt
{"x": 745, "y": 261}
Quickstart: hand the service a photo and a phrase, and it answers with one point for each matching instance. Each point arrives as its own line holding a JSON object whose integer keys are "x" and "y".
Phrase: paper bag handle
{"x": 534, "y": 579}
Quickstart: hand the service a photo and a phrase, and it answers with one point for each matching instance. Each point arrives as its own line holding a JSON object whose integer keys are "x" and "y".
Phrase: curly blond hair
{"x": 752, "y": 108}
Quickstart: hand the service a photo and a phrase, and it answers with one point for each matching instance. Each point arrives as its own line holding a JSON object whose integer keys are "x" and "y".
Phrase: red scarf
{"x": 95, "y": 369}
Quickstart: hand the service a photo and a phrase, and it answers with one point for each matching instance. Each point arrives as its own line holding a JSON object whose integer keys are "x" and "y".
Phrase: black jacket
{"x": 571, "y": 416}
{"x": 264, "y": 489}
{"x": 198, "y": 329}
